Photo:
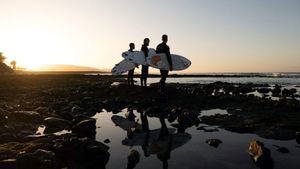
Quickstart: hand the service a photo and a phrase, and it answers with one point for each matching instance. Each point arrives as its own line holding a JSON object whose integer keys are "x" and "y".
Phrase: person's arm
{"x": 157, "y": 49}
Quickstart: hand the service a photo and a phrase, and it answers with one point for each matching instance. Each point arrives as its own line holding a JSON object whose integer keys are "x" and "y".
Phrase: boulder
{"x": 3, "y": 117}
{"x": 55, "y": 124}
{"x": 40, "y": 159}
{"x": 86, "y": 151}
{"x": 283, "y": 150}
{"x": 213, "y": 142}
{"x": 25, "y": 116}
{"x": 85, "y": 128}
{"x": 8, "y": 164}
{"x": 260, "y": 155}
{"x": 76, "y": 110}
{"x": 276, "y": 91}
{"x": 7, "y": 137}
{"x": 133, "y": 159}
{"x": 298, "y": 137}
{"x": 106, "y": 141}
{"x": 79, "y": 118}
{"x": 157, "y": 111}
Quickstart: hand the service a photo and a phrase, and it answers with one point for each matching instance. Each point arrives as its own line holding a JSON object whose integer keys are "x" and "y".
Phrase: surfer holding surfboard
{"x": 131, "y": 71}
{"x": 145, "y": 68}
{"x": 164, "y": 48}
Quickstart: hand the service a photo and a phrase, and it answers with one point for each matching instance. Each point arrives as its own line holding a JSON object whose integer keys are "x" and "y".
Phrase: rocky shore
{"x": 45, "y": 120}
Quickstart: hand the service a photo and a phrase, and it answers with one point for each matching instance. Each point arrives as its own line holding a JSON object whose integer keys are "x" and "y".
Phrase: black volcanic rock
{"x": 55, "y": 124}
{"x": 84, "y": 151}
{"x": 85, "y": 128}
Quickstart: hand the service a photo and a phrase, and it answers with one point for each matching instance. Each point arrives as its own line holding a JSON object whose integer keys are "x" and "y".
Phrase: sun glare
{"x": 33, "y": 48}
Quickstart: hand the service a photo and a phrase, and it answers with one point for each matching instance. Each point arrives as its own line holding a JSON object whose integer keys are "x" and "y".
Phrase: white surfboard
{"x": 122, "y": 67}
{"x": 138, "y": 57}
{"x": 160, "y": 61}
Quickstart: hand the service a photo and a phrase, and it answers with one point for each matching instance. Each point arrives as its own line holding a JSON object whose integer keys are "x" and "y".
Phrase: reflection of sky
{"x": 195, "y": 153}
{"x": 216, "y": 35}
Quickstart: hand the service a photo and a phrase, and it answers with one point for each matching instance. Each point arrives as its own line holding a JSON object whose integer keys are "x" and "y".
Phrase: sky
{"x": 216, "y": 35}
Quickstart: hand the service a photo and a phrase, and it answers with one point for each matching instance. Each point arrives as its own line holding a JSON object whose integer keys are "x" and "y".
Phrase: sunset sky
{"x": 216, "y": 35}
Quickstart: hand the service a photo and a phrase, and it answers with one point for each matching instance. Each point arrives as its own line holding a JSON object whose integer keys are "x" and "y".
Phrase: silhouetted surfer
{"x": 164, "y": 48}
{"x": 131, "y": 72}
{"x": 144, "y": 73}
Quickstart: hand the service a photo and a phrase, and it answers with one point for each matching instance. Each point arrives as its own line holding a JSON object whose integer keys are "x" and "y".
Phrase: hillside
{"x": 5, "y": 69}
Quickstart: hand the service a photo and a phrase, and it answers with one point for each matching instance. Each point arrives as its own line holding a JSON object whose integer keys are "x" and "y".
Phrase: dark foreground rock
{"x": 260, "y": 155}
{"x": 40, "y": 159}
{"x": 213, "y": 142}
{"x": 83, "y": 151}
{"x": 55, "y": 124}
{"x": 86, "y": 128}
{"x": 298, "y": 137}
{"x": 133, "y": 159}
{"x": 8, "y": 164}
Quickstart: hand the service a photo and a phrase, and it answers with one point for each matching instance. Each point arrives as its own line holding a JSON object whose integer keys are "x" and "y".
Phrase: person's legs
{"x": 146, "y": 75}
{"x": 164, "y": 74}
{"x": 130, "y": 77}
{"x": 142, "y": 75}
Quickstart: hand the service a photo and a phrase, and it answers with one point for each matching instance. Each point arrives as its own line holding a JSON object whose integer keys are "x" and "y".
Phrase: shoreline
{"x": 172, "y": 75}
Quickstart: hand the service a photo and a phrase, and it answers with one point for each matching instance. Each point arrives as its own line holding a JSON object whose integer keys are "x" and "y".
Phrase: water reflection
{"x": 177, "y": 141}
{"x": 159, "y": 142}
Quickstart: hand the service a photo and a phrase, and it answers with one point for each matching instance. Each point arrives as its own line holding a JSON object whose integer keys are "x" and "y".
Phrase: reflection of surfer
{"x": 145, "y": 123}
{"x": 131, "y": 117}
{"x": 159, "y": 141}
{"x": 163, "y": 130}
{"x": 145, "y": 127}
{"x": 165, "y": 154}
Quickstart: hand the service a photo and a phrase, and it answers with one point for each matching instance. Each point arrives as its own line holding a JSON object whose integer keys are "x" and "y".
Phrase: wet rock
{"x": 42, "y": 109}
{"x": 283, "y": 150}
{"x": 298, "y": 137}
{"x": 55, "y": 124}
{"x": 260, "y": 155}
{"x": 213, "y": 142}
{"x": 7, "y": 137}
{"x": 25, "y": 116}
{"x": 76, "y": 110}
{"x": 263, "y": 90}
{"x": 133, "y": 159}
{"x": 87, "y": 152}
{"x": 106, "y": 141}
{"x": 289, "y": 92}
{"x": 208, "y": 129}
{"x": 79, "y": 118}
{"x": 8, "y": 164}
{"x": 276, "y": 91}
{"x": 277, "y": 133}
{"x": 85, "y": 128}
{"x": 40, "y": 159}
{"x": 3, "y": 118}
{"x": 157, "y": 111}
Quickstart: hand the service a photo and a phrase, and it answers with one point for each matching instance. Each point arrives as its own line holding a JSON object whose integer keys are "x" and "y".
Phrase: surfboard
{"x": 123, "y": 123}
{"x": 138, "y": 57}
{"x": 122, "y": 67}
{"x": 159, "y": 61}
